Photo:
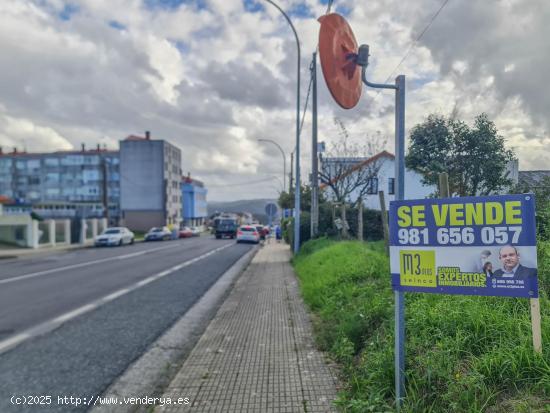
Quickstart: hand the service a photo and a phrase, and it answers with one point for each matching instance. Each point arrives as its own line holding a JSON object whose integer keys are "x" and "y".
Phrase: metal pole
{"x": 314, "y": 162}
{"x": 443, "y": 185}
{"x": 400, "y": 195}
{"x": 291, "y": 172}
{"x": 384, "y": 216}
{"x": 298, "y": 183}
{"x": 284, "y": 158}
{"x": 363, "y": 60}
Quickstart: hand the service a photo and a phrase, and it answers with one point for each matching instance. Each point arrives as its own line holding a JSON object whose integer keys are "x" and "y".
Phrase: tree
{"x": 474, "y": 158}
{"x": 344, "y": 169}
{"x": 541, "y": 189}
{"x": 286, "y": 200}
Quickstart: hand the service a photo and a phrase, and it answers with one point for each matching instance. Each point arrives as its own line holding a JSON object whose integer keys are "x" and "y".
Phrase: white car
{"x": 196, "y": 231}
{"x": 114, "y": 236}
{"x": 248, "y": 233}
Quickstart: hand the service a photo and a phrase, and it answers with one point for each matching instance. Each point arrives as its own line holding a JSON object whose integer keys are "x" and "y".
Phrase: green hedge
{"x": 463, "y": 353}
{"x": 372, "y": 224}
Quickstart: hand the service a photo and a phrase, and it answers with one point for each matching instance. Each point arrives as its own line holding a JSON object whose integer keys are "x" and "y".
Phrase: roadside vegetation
{"x": 463, "y": 353}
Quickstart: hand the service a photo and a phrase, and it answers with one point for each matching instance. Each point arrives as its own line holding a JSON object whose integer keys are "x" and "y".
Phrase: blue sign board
{"x": 468, "y": 245}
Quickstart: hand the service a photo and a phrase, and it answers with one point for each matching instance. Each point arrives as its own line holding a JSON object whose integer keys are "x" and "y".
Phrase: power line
{"x": 242, "y": 183}
{"x": 305, "y": 107}
{"x": 413, "y": 44}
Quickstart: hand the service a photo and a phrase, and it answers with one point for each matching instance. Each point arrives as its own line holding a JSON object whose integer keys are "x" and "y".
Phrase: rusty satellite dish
{"x": 337, "y": 52}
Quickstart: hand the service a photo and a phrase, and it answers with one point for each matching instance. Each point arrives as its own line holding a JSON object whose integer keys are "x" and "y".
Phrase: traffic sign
{"x": 271, "y": 209}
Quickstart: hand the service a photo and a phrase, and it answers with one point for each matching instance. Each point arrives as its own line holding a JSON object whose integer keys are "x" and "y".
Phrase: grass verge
{"x": 464, "y": 353}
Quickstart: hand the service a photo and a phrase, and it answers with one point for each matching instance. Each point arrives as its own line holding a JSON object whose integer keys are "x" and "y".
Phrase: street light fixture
{"x": 298, "y": 184}
{"x": 284, "y": 158}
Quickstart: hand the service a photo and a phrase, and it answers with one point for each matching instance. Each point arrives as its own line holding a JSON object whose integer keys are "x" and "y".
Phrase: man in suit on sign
{"x": 511, "y": 268}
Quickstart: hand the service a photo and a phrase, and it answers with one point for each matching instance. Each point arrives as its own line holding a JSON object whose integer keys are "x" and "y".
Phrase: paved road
{"x": 139, "y": 292}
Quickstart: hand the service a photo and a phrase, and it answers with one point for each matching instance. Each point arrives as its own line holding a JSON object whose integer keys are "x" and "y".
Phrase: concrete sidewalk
{"x": 257, "y": 354}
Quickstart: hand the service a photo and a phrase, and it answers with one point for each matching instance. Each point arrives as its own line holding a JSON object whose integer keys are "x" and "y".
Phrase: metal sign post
{"x": 270, "y": 210}
{"x": 399, "y": 87}
{"x": 340, "y": 59}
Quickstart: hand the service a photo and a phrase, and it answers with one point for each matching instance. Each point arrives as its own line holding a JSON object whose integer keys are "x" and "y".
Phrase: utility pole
{"x": 291, "y": 172}
{"x": 314, "y": 163}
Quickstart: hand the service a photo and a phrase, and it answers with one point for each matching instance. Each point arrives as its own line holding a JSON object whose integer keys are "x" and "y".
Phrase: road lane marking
{"x": 51, "y": 325}
{"x": 82, "y": 264}
{"x": 116, "y": 294}
{"x": 13, "y": 341}
{"x": 73, "y": 314}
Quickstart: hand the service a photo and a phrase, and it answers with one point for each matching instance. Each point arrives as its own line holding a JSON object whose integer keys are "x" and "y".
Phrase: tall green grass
{"x": 463, "y": 353}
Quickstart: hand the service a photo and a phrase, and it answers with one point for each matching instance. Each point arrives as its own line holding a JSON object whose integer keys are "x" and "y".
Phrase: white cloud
{"x": 28, "y": 136}
{"x": 214, "y": 79}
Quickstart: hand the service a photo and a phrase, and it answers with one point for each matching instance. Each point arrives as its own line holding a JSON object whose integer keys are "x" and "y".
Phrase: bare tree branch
{"x": 350, "y": 168}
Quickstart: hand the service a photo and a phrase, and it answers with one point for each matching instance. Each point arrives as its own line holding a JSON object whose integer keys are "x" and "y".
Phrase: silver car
{"x": 114, "y": 236}
{"x": 158, "y": 234}
{"x": 248, "y": 233}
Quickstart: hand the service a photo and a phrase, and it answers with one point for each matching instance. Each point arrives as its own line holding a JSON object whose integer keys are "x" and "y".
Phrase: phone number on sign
{"x": 460, "y": 236}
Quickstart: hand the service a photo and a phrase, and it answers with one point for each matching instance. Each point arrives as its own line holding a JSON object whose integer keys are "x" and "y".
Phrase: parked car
{"x": 114, "y": 236}
{"x": 185, "y": 232}
{"x": 196, "y": 231}
{"x": 158, "y": 234}
{"x": 248, "y": 233}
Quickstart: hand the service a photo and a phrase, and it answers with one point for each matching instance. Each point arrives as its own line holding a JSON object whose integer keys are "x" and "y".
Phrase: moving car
{"x": 248, "y": 233}
{"x": 158, "y": 234}
{"x": 185, "y": 232}
{"x": 114, "y": 236}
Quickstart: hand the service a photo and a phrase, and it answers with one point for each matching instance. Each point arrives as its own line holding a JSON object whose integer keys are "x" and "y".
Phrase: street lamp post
{"x": 284, "y": 158}
{"x": 298, "y": 184}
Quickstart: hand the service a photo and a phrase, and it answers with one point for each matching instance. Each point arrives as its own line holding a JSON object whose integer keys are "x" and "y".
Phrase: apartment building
{"x": 150, "y": 185}
{"x": 64, "y": 184}
{"x": 194, "y": 201}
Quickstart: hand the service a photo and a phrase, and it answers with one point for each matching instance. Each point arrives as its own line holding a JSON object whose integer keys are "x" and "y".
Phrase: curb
{"x": 38, "y": 252}
{"x": 153, "y": 371}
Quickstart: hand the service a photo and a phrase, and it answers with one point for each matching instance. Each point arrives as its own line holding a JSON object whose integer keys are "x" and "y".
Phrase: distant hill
{"x": 255, "y": 206}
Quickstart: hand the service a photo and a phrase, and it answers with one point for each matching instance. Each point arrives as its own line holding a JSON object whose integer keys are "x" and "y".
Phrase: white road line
{"x": 13, "y": 341}
{"x": 83, "y": 264}
{"x": 116, "y": 294}
{"x": 74, "y": 313}
{"x": 50, "y": 325}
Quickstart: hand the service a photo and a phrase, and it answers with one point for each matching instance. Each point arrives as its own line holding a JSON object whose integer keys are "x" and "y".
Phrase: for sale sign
{"x": 469, "y": 245}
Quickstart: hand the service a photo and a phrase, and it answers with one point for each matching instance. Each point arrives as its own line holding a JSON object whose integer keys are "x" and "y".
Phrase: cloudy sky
{"x": 213, "y": 76}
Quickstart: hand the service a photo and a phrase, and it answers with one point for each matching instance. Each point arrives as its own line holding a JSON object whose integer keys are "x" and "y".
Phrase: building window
{"x": 391, "y": 186}
{"x": 51, "y": 162}
{"x": 372, "y": 186}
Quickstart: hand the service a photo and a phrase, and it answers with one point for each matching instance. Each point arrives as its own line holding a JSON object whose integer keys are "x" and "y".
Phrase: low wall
{"x": 23, "y": 231}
